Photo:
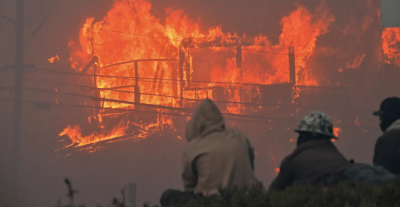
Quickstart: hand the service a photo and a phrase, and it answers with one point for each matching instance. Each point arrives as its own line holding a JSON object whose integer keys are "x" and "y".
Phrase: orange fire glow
{"x": 143, "y": 36}
{"x": 358, "y": 124}
{"x": 277, "y": 170}
{"x": 56, "y": 99}
{"x": 356, "y": 63}
{"x": 356, "y": 121}
{"x": 390, "y": 44}
{"x": 336, "y": 131}
{"x": 52, "y": 59}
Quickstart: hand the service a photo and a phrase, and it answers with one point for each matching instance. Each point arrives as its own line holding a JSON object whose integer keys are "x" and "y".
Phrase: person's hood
{"x": 393, "y": 126}
{"x": 205, "y": 119}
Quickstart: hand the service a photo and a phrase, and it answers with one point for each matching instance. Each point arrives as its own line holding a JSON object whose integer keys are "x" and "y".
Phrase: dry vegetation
{"x": 342, "y": 194}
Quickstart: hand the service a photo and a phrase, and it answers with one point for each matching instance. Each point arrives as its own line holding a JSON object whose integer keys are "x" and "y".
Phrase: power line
{"x": 31, "y": 36}
{"x": 142, "y": 35}
{"x": 89, "y": 88}
{"x": 266, "y": 119}
{"x": 296, "y": 55}
{"x": 114, "y": 31}
{"x": 139, "y": 104}
{"x": 174, "y": 108}
{"x": 176, "y": 81}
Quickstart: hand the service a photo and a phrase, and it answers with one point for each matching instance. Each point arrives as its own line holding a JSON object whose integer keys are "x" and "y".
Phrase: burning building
{"x": 133, "y": 79}
{"x": 165, "y": 70}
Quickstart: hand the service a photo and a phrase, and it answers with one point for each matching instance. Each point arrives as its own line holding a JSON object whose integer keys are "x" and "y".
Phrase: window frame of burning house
{"x": 390, "y": 13}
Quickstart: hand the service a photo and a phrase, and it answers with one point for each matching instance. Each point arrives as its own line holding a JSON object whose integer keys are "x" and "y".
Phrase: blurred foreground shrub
{"x": 347, "y": 194}
{"x": 342, "y": 194}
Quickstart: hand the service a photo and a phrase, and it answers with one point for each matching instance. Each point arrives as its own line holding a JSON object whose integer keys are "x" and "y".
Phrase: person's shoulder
{"x": 190, "y": 146}
{"x": 390, "y": 135}
{"x": 393, "y": 132}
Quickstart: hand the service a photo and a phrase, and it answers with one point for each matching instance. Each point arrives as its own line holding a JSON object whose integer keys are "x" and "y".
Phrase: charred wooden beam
{"x": 199, "y": 42}
{"x": 138, "y": 60}
{"x": 292, "y": 66}
{"x": 239, "y": 58}
{"x": 90, "y": 64}
{"x": 181, "y": 84}
{"x": 188, "y": 68}
{"x": 137, "y": 87}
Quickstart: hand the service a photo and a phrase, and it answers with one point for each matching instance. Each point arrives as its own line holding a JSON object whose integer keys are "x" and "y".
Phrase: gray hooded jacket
{"x": 216, "y": 157}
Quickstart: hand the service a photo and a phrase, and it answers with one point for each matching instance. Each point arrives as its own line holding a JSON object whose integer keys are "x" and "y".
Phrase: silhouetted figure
{"x": 116, "y": 202}
{"x": 215, "y": 158}
{"x": 315, "y": 159}
{"x": 71, "y": 192}
{"x": 387, "y": 147}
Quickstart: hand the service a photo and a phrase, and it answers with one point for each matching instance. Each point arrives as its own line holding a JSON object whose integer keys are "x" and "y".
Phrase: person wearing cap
{"x": 315, "y": 156}
{"x": 387, "y": 147}
{"x": 215, "y": 158}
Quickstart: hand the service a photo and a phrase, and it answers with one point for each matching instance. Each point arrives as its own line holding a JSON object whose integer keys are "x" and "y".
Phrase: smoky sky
{"x": 154, "y": 163}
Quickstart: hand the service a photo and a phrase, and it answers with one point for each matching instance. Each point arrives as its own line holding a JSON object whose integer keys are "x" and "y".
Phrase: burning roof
{"x": 132, "y": 49}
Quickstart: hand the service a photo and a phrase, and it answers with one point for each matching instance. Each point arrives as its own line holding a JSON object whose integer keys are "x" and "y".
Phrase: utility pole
{"x": 17, "y": 107}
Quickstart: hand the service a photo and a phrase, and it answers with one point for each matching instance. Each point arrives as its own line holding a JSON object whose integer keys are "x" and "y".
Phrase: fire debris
{"x": 54, "y": 58}
{"x": 356, "y": 63}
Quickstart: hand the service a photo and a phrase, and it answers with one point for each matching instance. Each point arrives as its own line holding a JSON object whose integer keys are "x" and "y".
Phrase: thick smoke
{"x": 154, "y": 163}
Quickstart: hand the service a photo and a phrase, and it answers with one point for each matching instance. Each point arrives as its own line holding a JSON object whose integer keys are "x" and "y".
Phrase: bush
{"x": 348, "y": 194}
{"x": 341, "y": 194}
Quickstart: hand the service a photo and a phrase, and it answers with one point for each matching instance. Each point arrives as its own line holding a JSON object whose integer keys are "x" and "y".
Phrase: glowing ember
{"x": 358, "y": 124}
{"x": 143, "y": 37}
{"x": 356, "y": 121}
{"x": 58, "y": 96}
{"x": 277, "y": 170}
{"x": 336, "y": 131}
{"x": 52, "y": 59}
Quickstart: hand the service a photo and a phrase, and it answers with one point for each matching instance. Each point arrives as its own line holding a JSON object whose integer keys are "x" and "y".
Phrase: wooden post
{"x": 181, "y": 61}
{"x": 239, "y": 65}
{"x": 174, "y": 80}
{"x": 189, "y": 67}
{"x": 195, "y": 96}
{"x": 96, "y": 90}
{"x": 239, "y": 58}
{"x": 137, "y": 86}
{"x": 292, "y": 66}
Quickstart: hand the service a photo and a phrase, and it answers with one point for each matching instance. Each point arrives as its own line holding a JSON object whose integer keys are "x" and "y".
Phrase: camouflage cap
{"x": 318, "y": 123}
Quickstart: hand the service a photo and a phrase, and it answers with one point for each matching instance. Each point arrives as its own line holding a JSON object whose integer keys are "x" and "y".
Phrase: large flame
{"x": 130, "y": 32}
{"x": 390, "y": 45}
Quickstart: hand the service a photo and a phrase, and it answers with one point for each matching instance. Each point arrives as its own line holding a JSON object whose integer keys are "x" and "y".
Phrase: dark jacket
{"x": 387, "y": 149}
{"x": 309, "y": 162}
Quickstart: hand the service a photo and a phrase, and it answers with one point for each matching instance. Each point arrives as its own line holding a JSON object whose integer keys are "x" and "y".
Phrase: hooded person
{"x": 387, "y": 147}
{"x": 315, "y": 157}
{"x": 215, "y": 158}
